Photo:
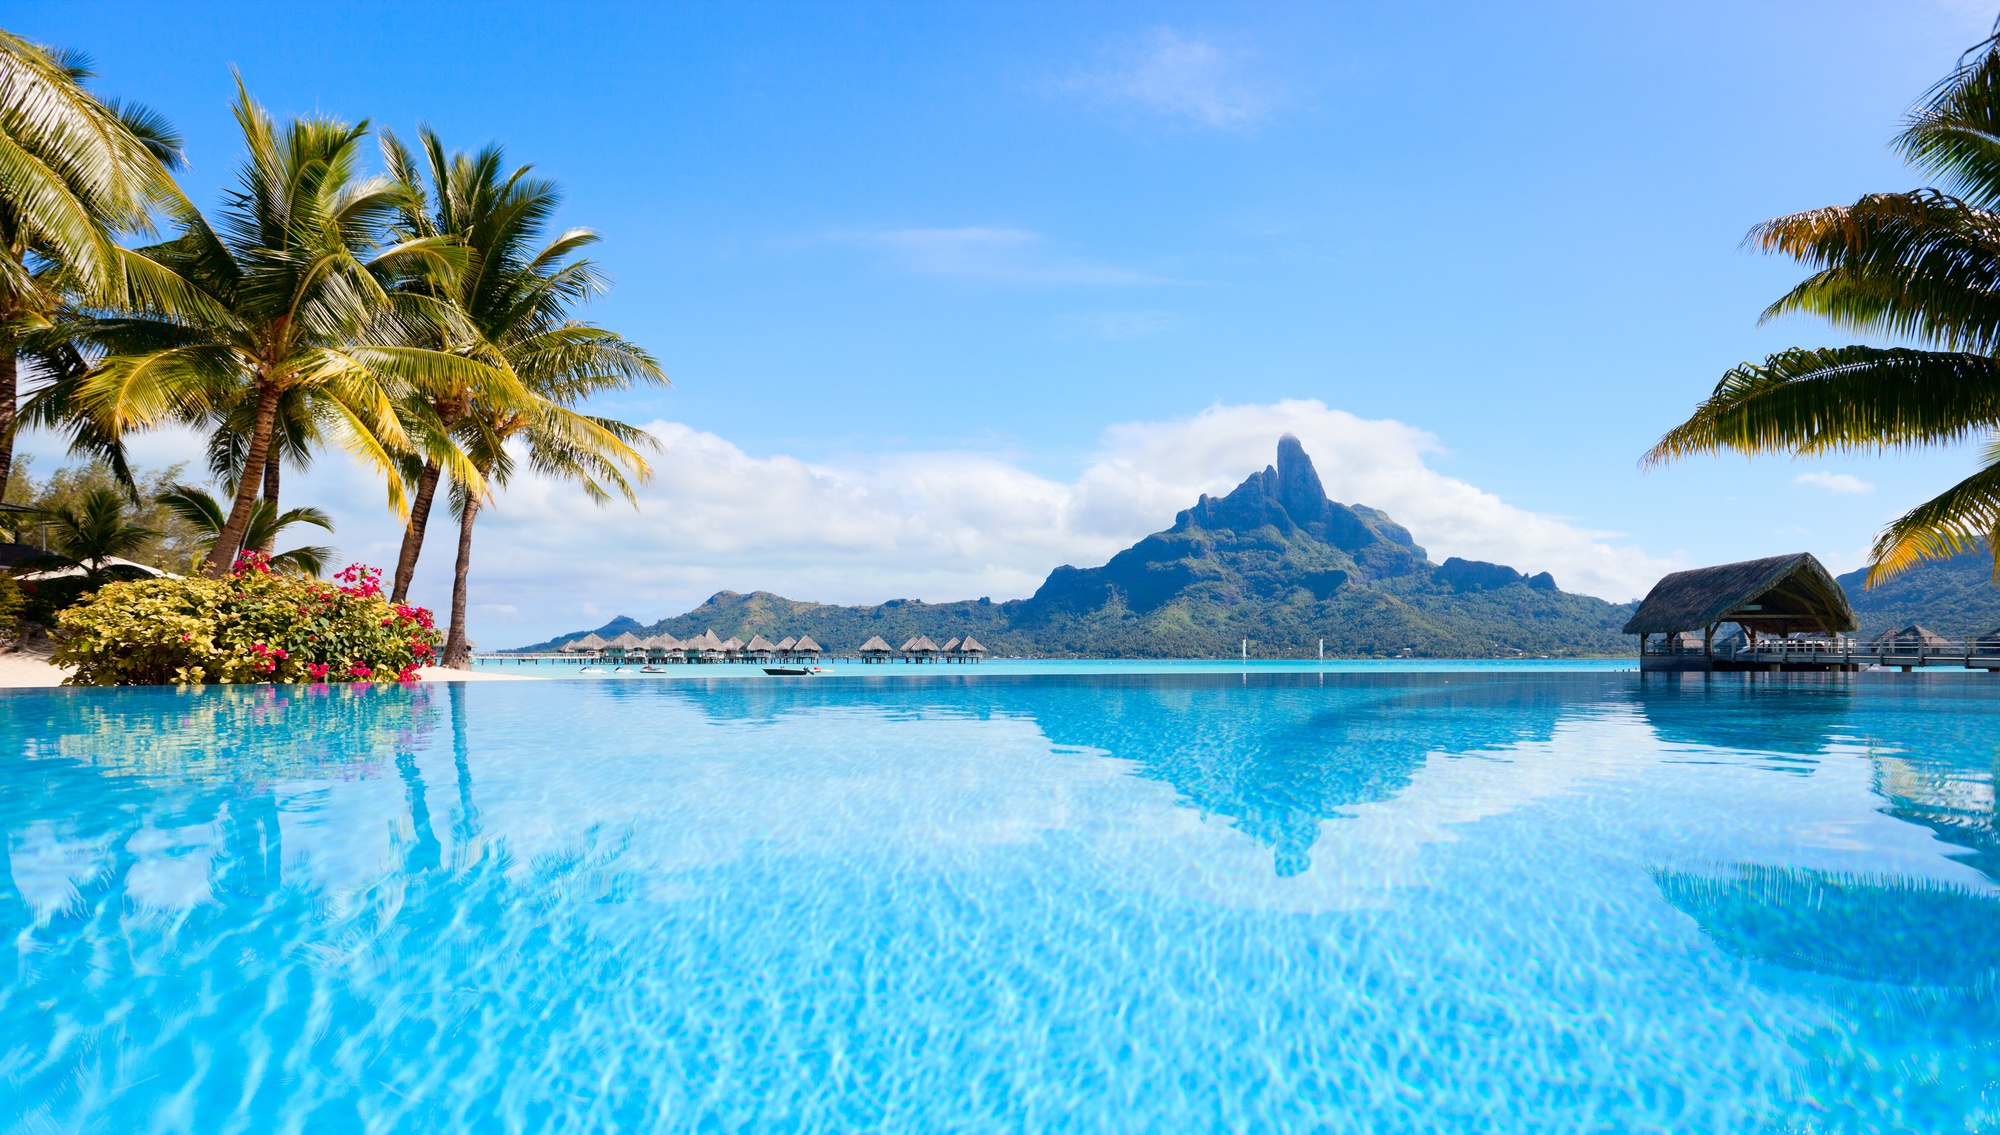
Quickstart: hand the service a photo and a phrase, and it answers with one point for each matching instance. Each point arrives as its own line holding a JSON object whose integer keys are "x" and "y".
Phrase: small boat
{"x": 653, "y": 670}
{"x": 791, "y": 671}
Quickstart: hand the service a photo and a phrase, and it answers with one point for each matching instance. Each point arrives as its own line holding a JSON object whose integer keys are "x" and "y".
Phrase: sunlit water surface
{"x": 1362, "y": 902}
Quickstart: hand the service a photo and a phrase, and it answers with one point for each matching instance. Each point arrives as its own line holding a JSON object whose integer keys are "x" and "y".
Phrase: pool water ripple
{"x": 1366, "y": 902}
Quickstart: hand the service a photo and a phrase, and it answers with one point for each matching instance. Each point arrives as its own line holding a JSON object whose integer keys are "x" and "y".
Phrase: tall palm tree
{"x": 203, "y": 511}
{"x": 515, "y": 292}
{"x": 87, "y": 535}
{"x": 296, "y": 292}
{"x": 600, "y": 454}
{"x": 75, "y": 172}
{"x": 1922, "y": 265}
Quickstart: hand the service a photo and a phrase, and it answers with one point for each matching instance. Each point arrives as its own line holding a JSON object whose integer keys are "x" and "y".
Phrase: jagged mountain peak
{"x": 1289, "y": 497}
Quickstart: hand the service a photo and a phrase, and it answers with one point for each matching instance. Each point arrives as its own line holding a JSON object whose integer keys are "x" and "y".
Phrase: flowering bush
{"x": 254, "y": 626}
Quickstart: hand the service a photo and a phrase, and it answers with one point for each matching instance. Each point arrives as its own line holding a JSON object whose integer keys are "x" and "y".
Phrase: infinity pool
{"x": 1366, "y": 902}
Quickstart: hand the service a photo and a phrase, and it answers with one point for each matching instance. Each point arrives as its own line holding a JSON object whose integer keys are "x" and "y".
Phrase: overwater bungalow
{"x": 704, "y": 647}
{"x": 950, "y": 647}
{"x": 920, "y": 649}
{"x": 806, "y": 648}
{"x": 732, "y": 649}
{"x": 760, "y": 648}
{"x": 875, "y": 650}
{"x": 588, "y": 644}
{"x": 785, "y": 646}
{"x": 969, "y": 650}
{"x": 1912, "y": 639}
{"x": 1775, "y": 597}
{"x": 625, "y": 645}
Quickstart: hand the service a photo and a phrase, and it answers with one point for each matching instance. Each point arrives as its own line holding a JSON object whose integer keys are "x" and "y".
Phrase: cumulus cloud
{"x": 982, "y": 254}
{"x": 934, "y": 526}
{"x": 1197, "y": 82}
{"x": 1834, "y": 482}
{"x": 943, "y": 526}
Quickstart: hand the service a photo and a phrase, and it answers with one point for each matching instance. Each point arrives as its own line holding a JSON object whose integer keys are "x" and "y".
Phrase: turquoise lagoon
{"x": 1474, "y": 899}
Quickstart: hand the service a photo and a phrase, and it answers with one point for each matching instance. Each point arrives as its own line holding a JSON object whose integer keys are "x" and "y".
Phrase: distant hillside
{"x": 1953, "y": 597}
{"x": 1275, "y": 562}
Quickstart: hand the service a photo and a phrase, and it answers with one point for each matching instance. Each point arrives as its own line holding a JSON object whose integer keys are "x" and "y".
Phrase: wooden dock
{"x": 1785, "y": 656}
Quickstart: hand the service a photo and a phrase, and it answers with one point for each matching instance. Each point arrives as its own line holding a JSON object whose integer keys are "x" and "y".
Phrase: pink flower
{"x": 316, "y": 669}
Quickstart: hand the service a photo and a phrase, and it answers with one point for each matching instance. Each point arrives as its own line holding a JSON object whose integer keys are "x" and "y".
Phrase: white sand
{"x": 440, "y": 674}
{"x": 29, "y": 668}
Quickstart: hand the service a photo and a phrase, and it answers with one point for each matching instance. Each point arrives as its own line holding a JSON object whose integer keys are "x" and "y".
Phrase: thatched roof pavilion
{"x": 806, "y": 645}
{"x": 1914, "y": 637}
{"x": 921, "y": 648}
{"x": 626, "y": 641}
{"x": 1776, "y": 595}
{"x": 971, "y": 646}
{"x": 950, "y": 645}
{"x": 787, "y": 643}
{"x": 588, "y": 642}
{"x": 875, "y": 648}
{"x": 761, "y": 645}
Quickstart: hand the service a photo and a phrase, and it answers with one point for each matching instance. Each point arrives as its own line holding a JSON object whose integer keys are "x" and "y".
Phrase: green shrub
{"x": 254, "y": 626}
{"x": 11, "y": 602}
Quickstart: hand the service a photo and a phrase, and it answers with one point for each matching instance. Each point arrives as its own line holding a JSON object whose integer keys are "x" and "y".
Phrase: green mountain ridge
{"x": 1954, "y": 597}
{"x": 1275, "y": 561}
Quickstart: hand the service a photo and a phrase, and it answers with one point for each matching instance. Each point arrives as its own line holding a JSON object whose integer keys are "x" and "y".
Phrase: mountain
{"x": 1276, "y": 561}
{"x": 1953, "y": 597}
{"x": 617, "y": 626}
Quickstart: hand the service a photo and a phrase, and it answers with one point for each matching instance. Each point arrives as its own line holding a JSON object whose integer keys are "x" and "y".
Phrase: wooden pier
{"x": 1981, "y": 652}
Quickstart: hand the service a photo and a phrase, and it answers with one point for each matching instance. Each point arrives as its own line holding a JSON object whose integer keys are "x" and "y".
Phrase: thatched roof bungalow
{"x": 1911, "y": 639}
{"x": 970, "y": 648}
{"x": 786, "y": 644}
{"x": 588, "y": 642}
{"x": 921, "y": 649}
{"x": 1777, "y": 595}
{"x": 760, "y": 648}
{"x": 950, "y": 645}
{"x": 875, "y": 650}
{"x": 805, "y": 645}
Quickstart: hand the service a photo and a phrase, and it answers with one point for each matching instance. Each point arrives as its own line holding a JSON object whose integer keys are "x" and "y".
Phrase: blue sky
{"x": 976, "y": 277}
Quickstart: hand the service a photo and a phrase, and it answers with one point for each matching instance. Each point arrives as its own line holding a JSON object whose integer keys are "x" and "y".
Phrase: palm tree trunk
{"x": 413, "y": 535}
{"x": 271, "y": 475}
{"x": 9, "y": 407}
{"x": 457, "y": 651}
{"x": 222, "y": 556}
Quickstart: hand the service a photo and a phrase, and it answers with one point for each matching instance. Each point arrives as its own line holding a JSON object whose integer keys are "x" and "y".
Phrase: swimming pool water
{"x": 1354, "y": 902}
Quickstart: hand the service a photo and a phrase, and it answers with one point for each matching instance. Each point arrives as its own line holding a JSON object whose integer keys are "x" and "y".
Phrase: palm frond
{"x": 1841, "y": 398}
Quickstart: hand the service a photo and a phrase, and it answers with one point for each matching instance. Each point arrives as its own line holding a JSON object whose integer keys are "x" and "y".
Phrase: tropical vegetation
{"x": 421, "y": 319}
{"x": 1918, "y": 265}
{"x": 200, "y": 509}
{"x": 252, "y": 625}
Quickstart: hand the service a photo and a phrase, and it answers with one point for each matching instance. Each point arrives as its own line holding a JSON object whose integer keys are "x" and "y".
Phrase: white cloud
{"x": 935, "y": 526}
{"x": 1195, "y": 81}
{"x": 1834, "y": 482}
{"x": 994, "y": 256}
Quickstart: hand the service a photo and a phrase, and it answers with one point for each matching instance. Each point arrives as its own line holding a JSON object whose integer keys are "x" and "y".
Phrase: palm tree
{"x": 514, "y": 297}
{"x": 293, "y": 291}
{"x": 75, "y": 172}
{"x": 560, "y": 444}
{"x": 1922, "y": 265}
{"x": 203, "y": 511}
{"x": 87, "y": 535}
